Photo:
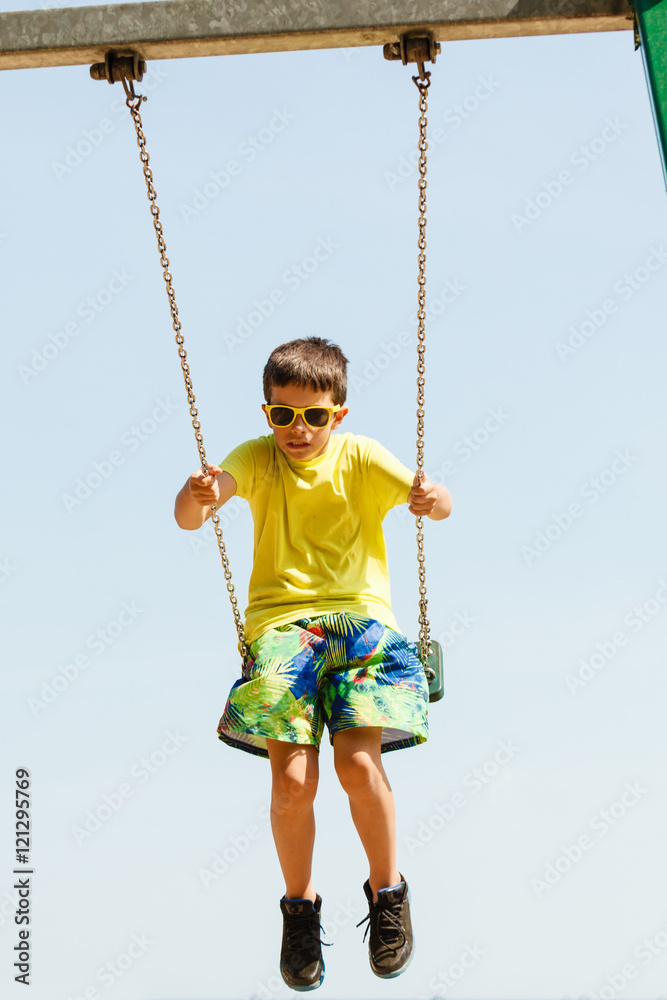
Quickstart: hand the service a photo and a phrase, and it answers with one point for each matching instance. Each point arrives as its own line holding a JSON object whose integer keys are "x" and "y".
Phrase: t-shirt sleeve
{"x": 390, "y": 479}
{"x": 247, "y": 464}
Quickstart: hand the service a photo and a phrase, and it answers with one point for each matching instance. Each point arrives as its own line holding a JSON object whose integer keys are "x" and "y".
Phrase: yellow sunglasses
{"x": 314, "y": 416}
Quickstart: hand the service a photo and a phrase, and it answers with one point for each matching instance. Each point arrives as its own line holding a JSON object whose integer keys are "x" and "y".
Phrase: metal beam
{"x": 177, "y": 29}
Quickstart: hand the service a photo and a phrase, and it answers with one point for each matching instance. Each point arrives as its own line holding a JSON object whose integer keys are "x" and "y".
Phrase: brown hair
{"x": 311, "y": 361}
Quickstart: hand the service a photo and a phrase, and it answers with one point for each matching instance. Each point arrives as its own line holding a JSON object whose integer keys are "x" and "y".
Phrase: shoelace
{"x": 384, "y": 924}
{"x": 303, "y": 934}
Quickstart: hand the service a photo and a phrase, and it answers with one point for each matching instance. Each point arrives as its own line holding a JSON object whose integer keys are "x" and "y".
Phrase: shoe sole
{"x": 399, "y": 972}
{"x": 305, "y": 989}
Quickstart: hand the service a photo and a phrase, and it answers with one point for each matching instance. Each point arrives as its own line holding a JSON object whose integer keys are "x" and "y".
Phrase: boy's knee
{"x": 356, "y": 771}
{"x": 293, "y": 788}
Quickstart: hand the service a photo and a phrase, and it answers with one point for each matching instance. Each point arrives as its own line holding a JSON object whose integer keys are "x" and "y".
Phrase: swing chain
{"x": 423, "y": 82}
{"x": 133, "y": 102}
{"x": 424, "y": 628}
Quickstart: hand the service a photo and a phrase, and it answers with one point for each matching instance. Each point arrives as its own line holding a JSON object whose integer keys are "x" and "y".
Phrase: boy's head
{"x": 312, "y": 361}
{"x": 312, "y": 374}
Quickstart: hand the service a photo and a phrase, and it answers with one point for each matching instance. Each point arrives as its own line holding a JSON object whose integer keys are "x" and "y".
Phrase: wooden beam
{"x": 178, "y": 29}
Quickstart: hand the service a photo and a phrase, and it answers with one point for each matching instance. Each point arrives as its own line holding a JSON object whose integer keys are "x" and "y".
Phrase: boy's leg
{"x": 295, "y": 772}
{"x": 358, "y": 765}
{"x": 360, "y": 771}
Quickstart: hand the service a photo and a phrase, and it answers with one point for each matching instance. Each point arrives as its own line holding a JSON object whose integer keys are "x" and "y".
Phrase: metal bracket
{"x": 417, "y": 45}
{"x": 119, "y": 66}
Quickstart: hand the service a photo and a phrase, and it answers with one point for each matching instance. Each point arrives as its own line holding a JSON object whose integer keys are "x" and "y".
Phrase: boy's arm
{"x": 193, "y": 503}
{"x": 429, "y": 499}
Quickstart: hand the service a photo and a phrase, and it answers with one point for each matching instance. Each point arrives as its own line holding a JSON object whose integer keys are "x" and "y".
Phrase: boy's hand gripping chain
{"x": 113, "y": 72}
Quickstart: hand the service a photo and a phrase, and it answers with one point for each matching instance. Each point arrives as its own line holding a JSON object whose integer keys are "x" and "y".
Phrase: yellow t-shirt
{"x": 318, "y": 542}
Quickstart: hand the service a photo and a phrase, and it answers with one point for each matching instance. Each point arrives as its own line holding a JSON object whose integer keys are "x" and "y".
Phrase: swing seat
{"x": 434, "y": 671}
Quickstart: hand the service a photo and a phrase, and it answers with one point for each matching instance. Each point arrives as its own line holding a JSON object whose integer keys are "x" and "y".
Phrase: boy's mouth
{"x": 296, "y": 445}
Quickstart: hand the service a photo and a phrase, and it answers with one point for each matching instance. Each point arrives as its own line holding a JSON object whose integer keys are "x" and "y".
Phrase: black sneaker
{"x": 390, "y": 948}
{"x": 301, "y": 964}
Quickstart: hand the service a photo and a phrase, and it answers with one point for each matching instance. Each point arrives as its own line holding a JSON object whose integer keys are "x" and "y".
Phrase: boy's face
{"x": 299, "y": 440}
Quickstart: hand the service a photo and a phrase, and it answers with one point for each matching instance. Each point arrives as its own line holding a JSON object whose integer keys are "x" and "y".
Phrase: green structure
{"x": 651, "y": 36}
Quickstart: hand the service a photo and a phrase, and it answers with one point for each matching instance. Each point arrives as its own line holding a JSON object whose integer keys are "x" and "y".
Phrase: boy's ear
{"x": 338, "y": 417}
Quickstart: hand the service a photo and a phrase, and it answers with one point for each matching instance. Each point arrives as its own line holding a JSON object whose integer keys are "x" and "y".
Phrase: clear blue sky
{"x": 546, "y": 419}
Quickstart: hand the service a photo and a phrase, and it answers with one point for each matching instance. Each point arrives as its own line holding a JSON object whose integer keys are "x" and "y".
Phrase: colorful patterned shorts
{"x": 340, "y": 669}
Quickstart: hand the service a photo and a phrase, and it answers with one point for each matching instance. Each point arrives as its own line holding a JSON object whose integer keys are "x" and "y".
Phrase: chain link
{"x": 424, "y": 628}
{"x": 133, "y": 102}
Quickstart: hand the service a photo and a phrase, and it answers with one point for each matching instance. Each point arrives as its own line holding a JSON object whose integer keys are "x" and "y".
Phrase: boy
{"x": 323, "y": 643}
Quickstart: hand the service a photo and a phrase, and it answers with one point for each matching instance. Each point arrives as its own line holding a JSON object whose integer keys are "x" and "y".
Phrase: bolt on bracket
{"x": 417, "y": 45}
